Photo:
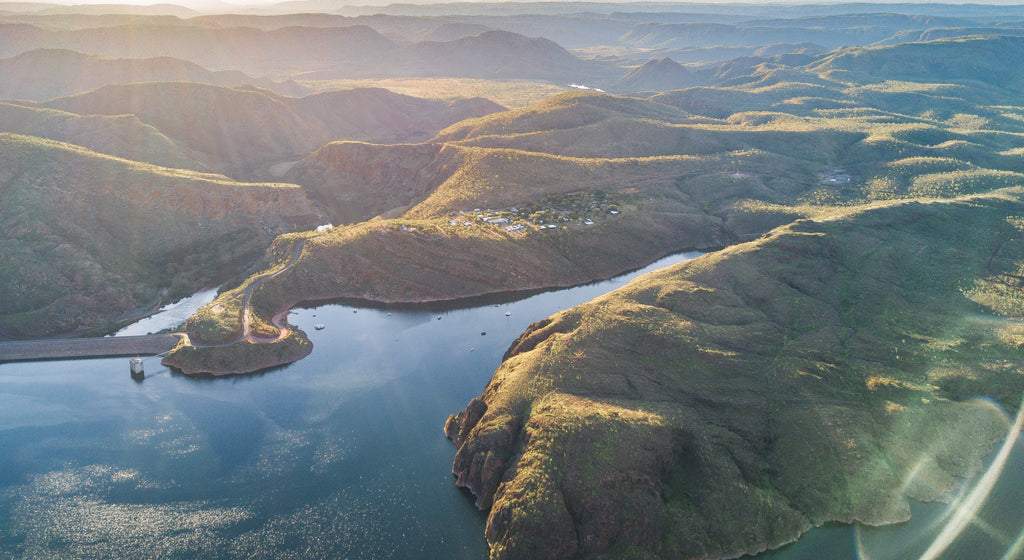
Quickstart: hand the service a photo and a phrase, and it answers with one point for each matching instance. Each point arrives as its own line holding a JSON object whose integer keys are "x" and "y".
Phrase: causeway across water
{"x": 68, "y": 348}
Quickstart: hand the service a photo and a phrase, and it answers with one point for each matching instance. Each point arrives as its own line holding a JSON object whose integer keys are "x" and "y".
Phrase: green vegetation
{"x": 730, "y": 403}
{"x": 867, "y": 203}
{"x": 240, "y": 356}
{"x": 696, "y": 168}
{"x": 90, "y": 238}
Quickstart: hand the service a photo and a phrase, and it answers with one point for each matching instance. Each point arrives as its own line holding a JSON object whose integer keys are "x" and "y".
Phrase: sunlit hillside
{"x": 854, "y": 173}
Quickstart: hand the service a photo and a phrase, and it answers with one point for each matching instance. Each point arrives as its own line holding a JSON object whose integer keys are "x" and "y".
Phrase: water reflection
{"x": 339, "y": 455}
{"x": 170, "y": 315}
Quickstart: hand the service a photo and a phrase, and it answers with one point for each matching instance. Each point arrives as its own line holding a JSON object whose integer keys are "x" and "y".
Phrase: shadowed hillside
{"x": 88, "y": 237}
{"x": 117, "y": 135}
{"x": 229, "y": 129}
{"x": 357, "y": 181}
{"x": 241, "y": 131}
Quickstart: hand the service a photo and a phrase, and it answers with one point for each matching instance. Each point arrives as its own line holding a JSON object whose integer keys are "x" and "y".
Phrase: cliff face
{"x": 728, "y": 404}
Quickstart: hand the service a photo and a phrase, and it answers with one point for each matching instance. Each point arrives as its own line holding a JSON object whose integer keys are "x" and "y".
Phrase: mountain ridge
{"x": 43, "y": 74}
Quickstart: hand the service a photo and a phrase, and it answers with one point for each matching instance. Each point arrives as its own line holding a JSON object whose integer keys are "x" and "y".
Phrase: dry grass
{"x": 511, "y": 94}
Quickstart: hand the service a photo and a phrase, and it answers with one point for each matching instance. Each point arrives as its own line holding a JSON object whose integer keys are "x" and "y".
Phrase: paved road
{"x": 50, "y": 349}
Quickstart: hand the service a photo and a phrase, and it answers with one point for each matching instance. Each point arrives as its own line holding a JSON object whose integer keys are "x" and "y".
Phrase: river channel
{"x": 340, "y": 455}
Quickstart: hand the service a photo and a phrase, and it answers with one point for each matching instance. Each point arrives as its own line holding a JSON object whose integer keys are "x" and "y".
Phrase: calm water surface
{"x": 340, "y": 455}
{"x": 170, "y": 315}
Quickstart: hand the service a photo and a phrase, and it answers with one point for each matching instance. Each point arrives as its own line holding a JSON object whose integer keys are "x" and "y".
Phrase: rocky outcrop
{"x": 480, "y": 467}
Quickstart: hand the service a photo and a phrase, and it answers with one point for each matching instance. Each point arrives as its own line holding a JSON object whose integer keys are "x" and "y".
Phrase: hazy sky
{"x": 230, "y": 5}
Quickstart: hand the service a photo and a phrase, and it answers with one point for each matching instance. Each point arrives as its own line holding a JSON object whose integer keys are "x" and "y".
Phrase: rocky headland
{"x": 728, "y": 404}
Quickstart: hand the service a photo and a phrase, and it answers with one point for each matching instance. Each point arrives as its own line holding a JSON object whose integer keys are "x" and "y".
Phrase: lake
{"x": 339, "y": 455}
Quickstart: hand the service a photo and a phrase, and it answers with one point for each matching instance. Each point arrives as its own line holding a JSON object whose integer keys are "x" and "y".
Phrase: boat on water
{"x": 319, "y": 326}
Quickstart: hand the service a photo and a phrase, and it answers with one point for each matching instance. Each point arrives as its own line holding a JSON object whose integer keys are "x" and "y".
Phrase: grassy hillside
{"x": 820, "y": 373}
{"x": 987, "y": 59}
{"x": 624, "y": 180}
{"x": 243, "y": 131}
{"x": 507, "y": 93}
{"x": 117, "y": 135}
{"x": 89, "y": 237}
{"x": 230, "y": 129}
{"x": 565, "y": 111}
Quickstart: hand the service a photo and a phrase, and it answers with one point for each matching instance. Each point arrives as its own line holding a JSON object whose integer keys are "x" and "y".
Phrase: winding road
{"x": 147, "y": 345}
{"x": 246, "y": 313}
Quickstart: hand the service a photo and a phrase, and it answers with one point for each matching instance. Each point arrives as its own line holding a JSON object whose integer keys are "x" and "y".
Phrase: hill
{"x": 700, "y": 34}
{"x": 379, "y": 115}
{"x": 726, "y": 405}
{"x": 573, "y": 110}
{"x": 932, "y": 34}
{"x": 492, "y": 54}
{"x": 356, "y": 181}
{"x": 656, "y": 75}
{"x": 229, "y": 129}
{"x": 242, "y": 131}
{"x": 256, "y": 52}
{"x": 117, "y": 135}
{"x": 988, "y": 59}
{"x": 43, "y": 74}
{"x": 80, "y": 250}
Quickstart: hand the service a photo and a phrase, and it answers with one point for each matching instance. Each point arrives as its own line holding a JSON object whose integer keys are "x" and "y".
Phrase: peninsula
{"x": 855, "y": 171}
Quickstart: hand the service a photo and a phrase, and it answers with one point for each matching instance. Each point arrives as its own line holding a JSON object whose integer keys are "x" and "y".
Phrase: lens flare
{"x": 965, "y": 510}
{"x": 935, "y": 537}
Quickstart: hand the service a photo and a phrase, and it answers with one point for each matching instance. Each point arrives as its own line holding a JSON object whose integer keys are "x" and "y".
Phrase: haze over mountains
{"x": 444, "y": 42}
{"x": 69, "y": 72}
{"x": 150, "y": 153}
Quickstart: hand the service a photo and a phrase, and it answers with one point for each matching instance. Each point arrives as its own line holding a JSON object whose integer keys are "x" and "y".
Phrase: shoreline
{"x": 428, "y": 304}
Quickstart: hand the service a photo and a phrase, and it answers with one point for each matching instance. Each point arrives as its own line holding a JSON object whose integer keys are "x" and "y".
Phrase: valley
{"x": 854, "y": 172}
